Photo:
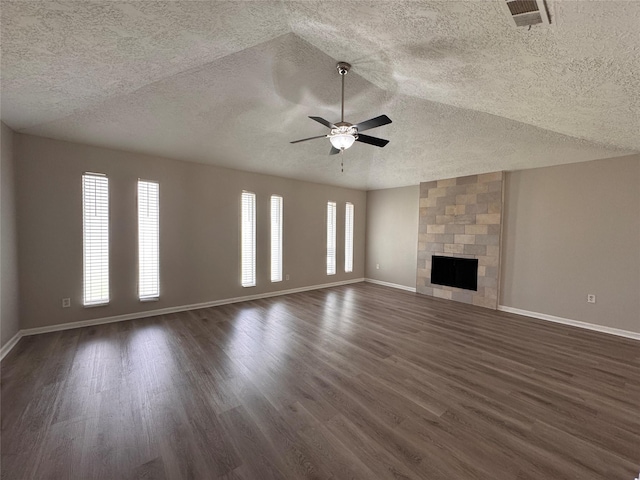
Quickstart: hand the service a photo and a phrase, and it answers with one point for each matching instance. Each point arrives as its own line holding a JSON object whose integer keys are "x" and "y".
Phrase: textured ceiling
{"x": 231, "y": 83}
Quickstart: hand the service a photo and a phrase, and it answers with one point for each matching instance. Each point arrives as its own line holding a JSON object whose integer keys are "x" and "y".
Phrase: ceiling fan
{"x": 344, "y": 134}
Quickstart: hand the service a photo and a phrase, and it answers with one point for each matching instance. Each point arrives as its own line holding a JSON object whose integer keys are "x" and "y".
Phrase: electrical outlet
{"x": 286, "y": 277}
{"x": 377, "y": 266}
{"x": 591, "y": 298}
{"x": 66, "y": 302}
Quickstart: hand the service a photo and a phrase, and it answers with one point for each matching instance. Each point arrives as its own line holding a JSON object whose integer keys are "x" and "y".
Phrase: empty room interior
{"x": 320, "y": 240}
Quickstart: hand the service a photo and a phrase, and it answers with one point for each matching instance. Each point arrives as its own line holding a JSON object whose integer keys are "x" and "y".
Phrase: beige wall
{"x": 392, "y": 235}
{"x": 9, "y": 324}
{"x": 199, "y": 230}
{"x": 572, "y": 230}
{"x": 568, "y": 231}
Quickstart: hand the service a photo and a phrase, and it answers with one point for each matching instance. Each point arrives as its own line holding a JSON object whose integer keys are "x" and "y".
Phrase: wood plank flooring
{"x": 354, "y": 382}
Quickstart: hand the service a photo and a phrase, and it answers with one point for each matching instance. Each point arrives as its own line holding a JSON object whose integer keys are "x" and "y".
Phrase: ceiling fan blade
{"x": 324, "y": 122}
{"x": 333, "y": 150}
{"x": 310, "y": 138}
{"x": 378, "y": 142}
{"x": 373, "y": 123}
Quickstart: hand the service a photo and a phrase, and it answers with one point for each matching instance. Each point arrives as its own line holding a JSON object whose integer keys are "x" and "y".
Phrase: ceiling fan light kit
{"x": 343, "y": 134}
{"x": 343, "y": 137}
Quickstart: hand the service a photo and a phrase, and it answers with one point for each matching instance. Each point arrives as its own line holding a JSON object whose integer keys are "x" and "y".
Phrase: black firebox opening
{"x": 455, "y": 272}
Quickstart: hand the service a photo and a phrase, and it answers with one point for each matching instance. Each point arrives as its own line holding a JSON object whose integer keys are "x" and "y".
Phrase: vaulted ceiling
{"x": 232, "y": 83}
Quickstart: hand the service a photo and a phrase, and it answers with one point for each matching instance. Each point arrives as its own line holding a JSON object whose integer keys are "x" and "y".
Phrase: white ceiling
{"x": 231, "y": 83}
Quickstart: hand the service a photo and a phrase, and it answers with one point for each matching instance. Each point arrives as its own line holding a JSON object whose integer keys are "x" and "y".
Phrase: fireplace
{"x": 455, "y": 272}
{"x": 461, "y": 219}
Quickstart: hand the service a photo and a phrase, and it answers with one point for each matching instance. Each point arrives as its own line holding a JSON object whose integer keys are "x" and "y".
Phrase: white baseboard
{"x": 6, "y": 348}
{"x": 392, "y": 285}
{"x": 573, "y": 323}
{"x": 162, "y": 311}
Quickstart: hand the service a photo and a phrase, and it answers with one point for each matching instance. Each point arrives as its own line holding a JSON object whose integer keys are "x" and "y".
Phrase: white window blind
{"x": 95, "y": 233}
{"x": 248, "y": 234}
{"x": 331, "y": 238}
{"x": 276, "y": 238}
{"x": 348, "y": 238}
{"x": 148, "y": 240}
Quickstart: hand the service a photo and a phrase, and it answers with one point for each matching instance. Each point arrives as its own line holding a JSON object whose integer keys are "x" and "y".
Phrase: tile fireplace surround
{"x": 462, "y": 218}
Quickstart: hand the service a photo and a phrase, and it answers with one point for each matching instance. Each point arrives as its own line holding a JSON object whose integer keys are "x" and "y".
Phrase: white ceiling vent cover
{"x": 528, "y": 12}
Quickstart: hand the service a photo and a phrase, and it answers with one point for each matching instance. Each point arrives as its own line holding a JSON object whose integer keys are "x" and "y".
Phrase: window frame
{"x": 332, "y": 250}
{"x": 276, "y": 243}
{"x": 87, "y": 284}
{"x": 154, "y": 296}
{"x": 349, "y": 219}
{"x": 245, "y": 281}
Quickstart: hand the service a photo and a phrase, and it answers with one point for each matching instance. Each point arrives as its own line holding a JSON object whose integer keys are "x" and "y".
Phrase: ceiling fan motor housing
{"x": 344, "y": 128}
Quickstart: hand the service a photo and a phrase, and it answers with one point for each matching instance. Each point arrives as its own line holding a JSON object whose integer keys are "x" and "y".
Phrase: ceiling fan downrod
{"x": 343, "y": 68}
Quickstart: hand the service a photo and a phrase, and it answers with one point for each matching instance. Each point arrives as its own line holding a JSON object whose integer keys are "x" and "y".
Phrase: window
{"x": 248, "y": 234}
{"x": 348, "y": 238}
{"x": 276, "y": 238}
{"x": 148, "y": 240}
{"x": 331, "y": 238}
{"x": 95, "y": 238}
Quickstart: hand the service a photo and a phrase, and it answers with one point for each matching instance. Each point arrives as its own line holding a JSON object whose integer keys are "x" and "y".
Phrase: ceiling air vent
{"x": 528, "y": 12}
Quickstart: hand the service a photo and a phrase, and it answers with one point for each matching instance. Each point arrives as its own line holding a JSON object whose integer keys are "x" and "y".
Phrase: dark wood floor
{"x": 358, "y": 381}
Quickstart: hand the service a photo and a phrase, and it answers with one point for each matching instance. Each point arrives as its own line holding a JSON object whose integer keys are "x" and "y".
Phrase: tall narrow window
{"x": 148, "y": 240}
{"x": 331, "y": 238}
{"x": 276, "y": 238}
{"x": 95, "y": 233}
{"x": 248, "y": 250}
{"x": 348, "y": 238}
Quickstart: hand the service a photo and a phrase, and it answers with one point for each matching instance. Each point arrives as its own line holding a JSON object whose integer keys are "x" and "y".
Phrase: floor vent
{"x": 528, "y": 12}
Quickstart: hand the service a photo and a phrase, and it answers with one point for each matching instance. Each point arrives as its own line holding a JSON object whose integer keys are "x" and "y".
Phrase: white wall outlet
{"x": 286, "y": 277}
{"x": 66, "y": 302}
{"x": 377, "y": 266}
{"x": 591, "y": 298}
